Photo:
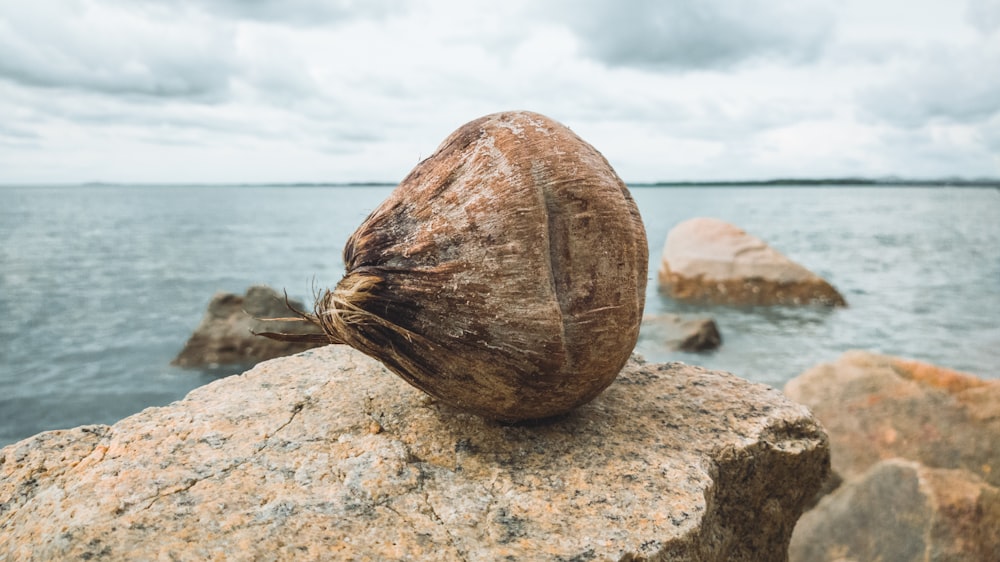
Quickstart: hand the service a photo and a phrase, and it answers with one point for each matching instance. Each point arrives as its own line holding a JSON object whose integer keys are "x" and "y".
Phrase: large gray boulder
{"x": 707, "y": 260}
{"x": 224, "y": 336}
{"x": 328, "y": 455}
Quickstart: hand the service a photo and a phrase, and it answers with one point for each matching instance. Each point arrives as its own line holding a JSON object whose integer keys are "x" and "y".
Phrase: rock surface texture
{"x": 711, "y": 261}
{"x": 223, "y": 337}
{"x": 902, "y": 511}
{"x": 877, "y": 407}
{"x": 683, "y": 333}
{"x": 327, "y": 455}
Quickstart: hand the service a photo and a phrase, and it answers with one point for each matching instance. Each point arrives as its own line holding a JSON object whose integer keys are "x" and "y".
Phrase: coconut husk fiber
{"x": 505, "y": 275}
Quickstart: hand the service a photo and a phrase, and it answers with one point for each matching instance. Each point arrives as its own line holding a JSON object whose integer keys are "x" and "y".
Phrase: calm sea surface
{"x": 100, "y": 286}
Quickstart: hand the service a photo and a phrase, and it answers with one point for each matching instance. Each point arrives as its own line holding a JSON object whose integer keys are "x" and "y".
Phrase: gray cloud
{"x": 190, "y": 49}
{"x": 362, "y": 89}
{"x": 299, "y": 12}
{"x": 990, "y": 135}
{"x": 920, "y": 153}
{"x": 675, "y": 34}
{"x": 950, "y": 84}
{"x": 90, "y": 47}
{"x": 15, "y": 136}
{"x": 984, "y": 15}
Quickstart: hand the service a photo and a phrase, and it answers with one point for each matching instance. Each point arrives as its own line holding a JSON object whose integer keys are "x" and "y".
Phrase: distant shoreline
{"x": 781, "y": 182}
{"x": 809, "y": 182}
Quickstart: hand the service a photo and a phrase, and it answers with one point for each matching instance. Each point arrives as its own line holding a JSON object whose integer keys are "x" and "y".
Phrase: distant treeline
{"x": 783, "y": 182}
{"x": 957, "y": 182}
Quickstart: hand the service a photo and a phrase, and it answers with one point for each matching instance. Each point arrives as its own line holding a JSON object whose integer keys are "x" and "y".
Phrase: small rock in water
{"x": 681, "y": 332}
{"x": 224, "y": 336}
{"x": 711, "y": 261}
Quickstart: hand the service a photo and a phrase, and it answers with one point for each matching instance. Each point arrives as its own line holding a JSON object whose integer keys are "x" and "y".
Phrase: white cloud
{"x": 90, "y": 46}
{"x": 310, "y": 90}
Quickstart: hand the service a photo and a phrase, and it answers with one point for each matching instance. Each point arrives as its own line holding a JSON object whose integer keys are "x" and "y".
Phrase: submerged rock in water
{"x": 902, "y": 510}
{"x": 685, "y": 333}
{"x": 224, "y": 335}
{"x": 329, "y": 455}
{"x": 712, "y": 261}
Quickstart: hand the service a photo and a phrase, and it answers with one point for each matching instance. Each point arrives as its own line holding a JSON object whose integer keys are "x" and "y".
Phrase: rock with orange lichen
{"x": 900, "y": 510}
{"x": 877, "y": 407}
{"x": 707, "y": 260}
{"x": 328, "y": 455}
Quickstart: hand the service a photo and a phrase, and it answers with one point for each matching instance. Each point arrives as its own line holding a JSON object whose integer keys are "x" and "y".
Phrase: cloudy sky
{"x": 341, "y": 90}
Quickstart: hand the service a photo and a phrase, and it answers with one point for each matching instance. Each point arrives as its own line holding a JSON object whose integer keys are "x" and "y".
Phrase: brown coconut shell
{"x": 505, "y": 276}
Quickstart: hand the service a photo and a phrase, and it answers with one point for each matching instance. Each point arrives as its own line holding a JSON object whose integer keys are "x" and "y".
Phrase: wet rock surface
{"x": 328, "y": 455}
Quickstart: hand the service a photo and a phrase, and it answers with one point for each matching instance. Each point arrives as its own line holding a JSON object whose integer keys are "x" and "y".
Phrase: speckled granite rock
{"x": 709, "y": 260}
{"x": 223, "y": 337}
{"x": 877, "y": 407}
{"x": 327, "y": 455}
{"x": 902, "y": 511}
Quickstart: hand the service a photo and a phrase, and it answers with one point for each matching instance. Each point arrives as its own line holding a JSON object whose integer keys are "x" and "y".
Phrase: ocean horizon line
{"x": 775, "y": 182}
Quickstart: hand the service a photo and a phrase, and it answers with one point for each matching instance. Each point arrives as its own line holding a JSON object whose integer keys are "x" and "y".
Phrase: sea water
{"x": 100, "y": 286}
